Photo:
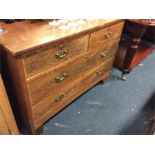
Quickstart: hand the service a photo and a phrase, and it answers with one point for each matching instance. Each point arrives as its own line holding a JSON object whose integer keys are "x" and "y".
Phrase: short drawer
{"x": 100, "y": 37}
{"x": 44, "y": 84}
{"x": 53, "y": 103}
{"x": 100, "y": 55}
{"x": 54, "y": 55}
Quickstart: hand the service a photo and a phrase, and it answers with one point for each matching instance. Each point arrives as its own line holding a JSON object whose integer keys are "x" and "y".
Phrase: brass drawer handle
{"x": 59, "y": 98}
{"x": 60, "y": 77}
{"x": 61, "y": 54}
{"x": 100, "y": 72}
{"x": 103, "y": 54}
{"x": 108, "y": 35}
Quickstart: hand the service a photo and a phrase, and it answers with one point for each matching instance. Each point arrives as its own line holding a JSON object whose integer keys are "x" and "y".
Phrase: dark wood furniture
{"x": 131, "y": 50}
{"x": 49, "y": 67}
{"x": 150, "y": 35}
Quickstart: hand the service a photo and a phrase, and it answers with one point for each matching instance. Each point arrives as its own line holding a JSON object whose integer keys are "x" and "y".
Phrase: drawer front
{"x": 100, "y": 37}
{"x": 54, "y": 55}
{"x": 100, "y": 55}
{"x": 52, "y": 104}
{"x": 54, "y": 79}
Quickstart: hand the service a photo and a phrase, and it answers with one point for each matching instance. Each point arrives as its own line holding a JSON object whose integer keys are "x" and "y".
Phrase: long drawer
{"x": 100, "y": 37}
{"x": 54, "y": 55}
{"x": 53, "y": 103}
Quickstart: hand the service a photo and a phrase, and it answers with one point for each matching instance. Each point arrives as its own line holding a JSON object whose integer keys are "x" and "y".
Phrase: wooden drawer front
{"x": 100, "y": 37}
{"x": 54, "y": 79}
{"x": 54, "y": 55}
{"x": 100, "y": 55}
{"x": 52, "y": 104}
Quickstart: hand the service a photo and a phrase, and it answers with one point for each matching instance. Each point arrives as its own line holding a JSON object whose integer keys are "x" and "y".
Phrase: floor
{"x": 116, "y": 108}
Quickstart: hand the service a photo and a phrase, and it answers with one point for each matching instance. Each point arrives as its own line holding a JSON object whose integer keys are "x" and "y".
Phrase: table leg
{"x": 137, "y": 31}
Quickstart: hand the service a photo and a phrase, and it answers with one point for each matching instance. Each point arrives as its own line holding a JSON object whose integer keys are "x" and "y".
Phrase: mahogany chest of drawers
{"x": 50, "y": 67}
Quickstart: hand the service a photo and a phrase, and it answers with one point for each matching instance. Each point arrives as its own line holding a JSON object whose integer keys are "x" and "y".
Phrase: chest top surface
{"x": 25, "y": 36}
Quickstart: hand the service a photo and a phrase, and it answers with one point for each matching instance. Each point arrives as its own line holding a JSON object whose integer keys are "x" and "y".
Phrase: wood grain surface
{"x": 22, "y": 37}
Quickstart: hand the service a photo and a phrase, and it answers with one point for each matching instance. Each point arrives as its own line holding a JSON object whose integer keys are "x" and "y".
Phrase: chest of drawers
{"x": 50, "y": 68}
